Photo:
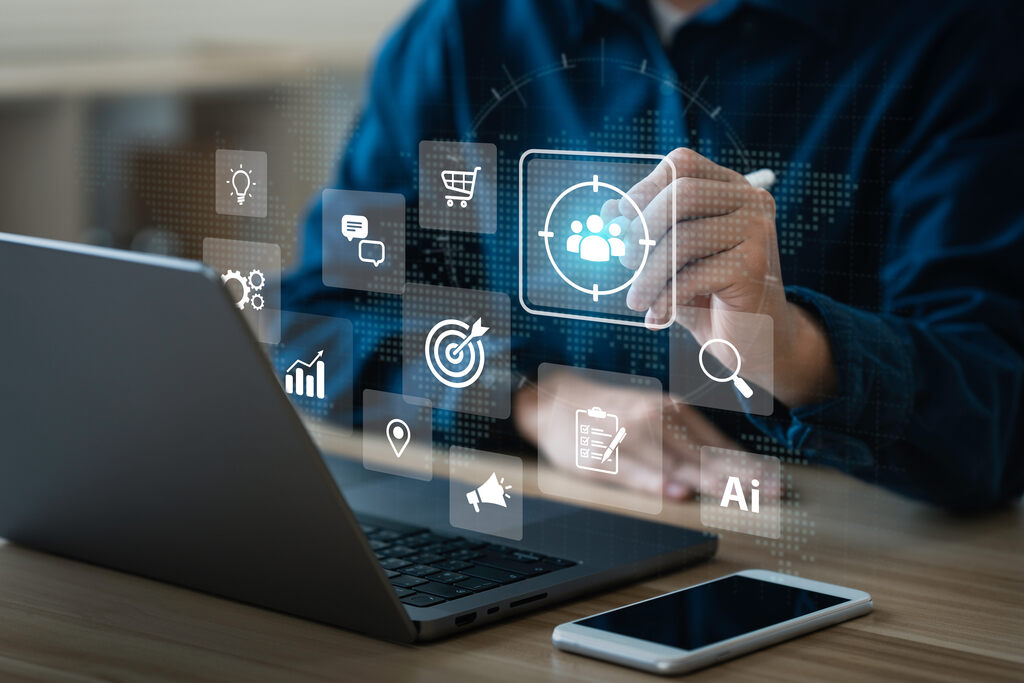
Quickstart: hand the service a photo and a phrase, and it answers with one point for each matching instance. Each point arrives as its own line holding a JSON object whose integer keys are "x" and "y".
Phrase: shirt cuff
{"x": 875, "y": 386}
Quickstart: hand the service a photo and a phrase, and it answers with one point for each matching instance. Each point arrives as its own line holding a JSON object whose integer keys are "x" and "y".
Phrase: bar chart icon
{"x": 306, "y": 379}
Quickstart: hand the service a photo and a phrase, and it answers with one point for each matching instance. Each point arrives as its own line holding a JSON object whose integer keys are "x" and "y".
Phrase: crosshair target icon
{"x": 646, "y": 242}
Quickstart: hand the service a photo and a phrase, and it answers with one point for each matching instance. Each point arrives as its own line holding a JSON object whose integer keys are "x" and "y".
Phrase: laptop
{"x": 144, "y": 429}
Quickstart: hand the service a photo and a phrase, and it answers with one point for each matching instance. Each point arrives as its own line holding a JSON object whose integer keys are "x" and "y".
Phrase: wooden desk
{"x": 949, "y": 605}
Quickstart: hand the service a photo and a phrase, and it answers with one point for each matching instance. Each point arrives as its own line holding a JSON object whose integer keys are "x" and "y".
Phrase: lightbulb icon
{"x": 241, "y": 181}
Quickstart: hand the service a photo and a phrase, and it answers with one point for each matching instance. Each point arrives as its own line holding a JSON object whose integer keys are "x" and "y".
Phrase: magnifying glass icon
{"x": 735, "y": 378}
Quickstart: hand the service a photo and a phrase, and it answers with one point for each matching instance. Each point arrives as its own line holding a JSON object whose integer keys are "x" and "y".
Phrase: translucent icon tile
{"x": 363, "y": 240}
{"x": 600, "y": 437}
{"x": 251, "y": 272}
{"x": 486, "y": 492}
{"x": 740, "y": 491}
{"x": 579, "y": 257}
{"x": 731, "y": 367}
{"x": 240, "y": 185}
{"x": 397, "y": 435}
{"x": 455, "y": 349}
{"x": 314, "y": 364}
{"x": 458, "y": 186}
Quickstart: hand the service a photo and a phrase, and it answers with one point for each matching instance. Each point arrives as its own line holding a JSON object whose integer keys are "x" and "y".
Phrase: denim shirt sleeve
{"x": 870, "y": 356}
{"x": 926, "y": 409}
{"x": 930, "y": 385}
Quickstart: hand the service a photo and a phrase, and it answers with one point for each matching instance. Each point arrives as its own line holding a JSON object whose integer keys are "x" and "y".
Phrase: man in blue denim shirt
{"x": 899, "y": 332}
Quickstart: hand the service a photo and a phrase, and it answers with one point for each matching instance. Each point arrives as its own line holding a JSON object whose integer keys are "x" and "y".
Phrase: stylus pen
{"x": 762, "y": 177}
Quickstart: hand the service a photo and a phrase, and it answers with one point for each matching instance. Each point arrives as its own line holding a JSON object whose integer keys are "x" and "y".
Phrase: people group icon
{"x": 596, "y": 246}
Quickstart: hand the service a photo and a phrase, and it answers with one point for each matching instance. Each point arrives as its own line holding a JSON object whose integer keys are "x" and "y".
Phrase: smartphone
{"x": 712, "y": 621}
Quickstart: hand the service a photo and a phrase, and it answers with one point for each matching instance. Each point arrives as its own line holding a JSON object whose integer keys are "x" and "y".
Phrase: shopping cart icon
{"x": 461, "y": 184}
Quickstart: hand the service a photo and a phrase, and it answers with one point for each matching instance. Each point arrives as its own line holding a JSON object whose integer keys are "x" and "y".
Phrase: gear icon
{"x": 256, "y": 280}
{"x": 235, "y": 276}
{"x": 256, "y": 301}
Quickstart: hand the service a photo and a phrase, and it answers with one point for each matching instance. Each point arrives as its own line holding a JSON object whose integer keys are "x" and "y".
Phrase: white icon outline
{"x": 240, "y": 182}
{"x": 375, "y": 262}
{"x": 733, "y": 493}
{"x": 462, "y": 183}
{"x": 453, "y": 351}
{"x": 611, "y": 247}
{"x": 403, "y": 438}
{"x": 737, "y": 381}
{"x": 584, "y": 438}
{"x": 306, "y": 378}
{"x": 491, "y": 492}
{"x": 240, "y": 190}
{"x": 354, "y": 226}
{"x": 357, "y": 227}
{"x": 250, "y": 288}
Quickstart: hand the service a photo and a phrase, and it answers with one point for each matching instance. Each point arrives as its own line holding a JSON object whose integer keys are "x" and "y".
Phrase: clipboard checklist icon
{"x": 597, "y": 439}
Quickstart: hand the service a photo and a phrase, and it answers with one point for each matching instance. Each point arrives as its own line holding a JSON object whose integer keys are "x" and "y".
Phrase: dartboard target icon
{"x": 455, "y": 352}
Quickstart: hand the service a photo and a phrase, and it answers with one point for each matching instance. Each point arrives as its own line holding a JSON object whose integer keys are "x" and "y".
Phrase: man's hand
{"x": 727, "y": 261}
{"x": 675, "y": 467}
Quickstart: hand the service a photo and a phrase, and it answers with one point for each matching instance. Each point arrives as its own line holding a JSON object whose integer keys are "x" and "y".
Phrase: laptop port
{"x": 523, "y": 601}
{"x": 492, "y": 610}
{"x": 465, "y": 619}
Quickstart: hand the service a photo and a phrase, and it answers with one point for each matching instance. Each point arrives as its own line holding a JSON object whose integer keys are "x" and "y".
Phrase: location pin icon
{"x": 398, "y": 436}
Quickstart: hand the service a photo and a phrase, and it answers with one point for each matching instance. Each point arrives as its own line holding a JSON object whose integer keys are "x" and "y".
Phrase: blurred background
{"x": 111, "y": 112}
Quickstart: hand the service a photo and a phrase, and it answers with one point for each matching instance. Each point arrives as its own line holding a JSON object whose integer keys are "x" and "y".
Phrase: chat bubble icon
{"x": 354, "y": 227}
{"x": 371, "y": 251}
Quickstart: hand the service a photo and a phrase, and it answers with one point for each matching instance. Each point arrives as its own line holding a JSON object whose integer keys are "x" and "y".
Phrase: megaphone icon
{"x": 491, "y": 491}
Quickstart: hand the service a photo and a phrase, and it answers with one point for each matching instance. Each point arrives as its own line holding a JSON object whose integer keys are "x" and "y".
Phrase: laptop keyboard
{"x": 427, "y": 569}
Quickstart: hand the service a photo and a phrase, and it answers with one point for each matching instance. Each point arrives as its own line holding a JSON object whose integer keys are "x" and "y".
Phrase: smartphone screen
{"x": 711, "y": 612}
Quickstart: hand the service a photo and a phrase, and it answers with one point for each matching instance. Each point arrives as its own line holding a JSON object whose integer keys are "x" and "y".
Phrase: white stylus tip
{"x": 763, "y": 178}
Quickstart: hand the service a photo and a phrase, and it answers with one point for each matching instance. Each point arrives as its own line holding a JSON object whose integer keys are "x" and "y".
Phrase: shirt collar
{"x": 667, "y": 19}
{"x": 825, "y": 17}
